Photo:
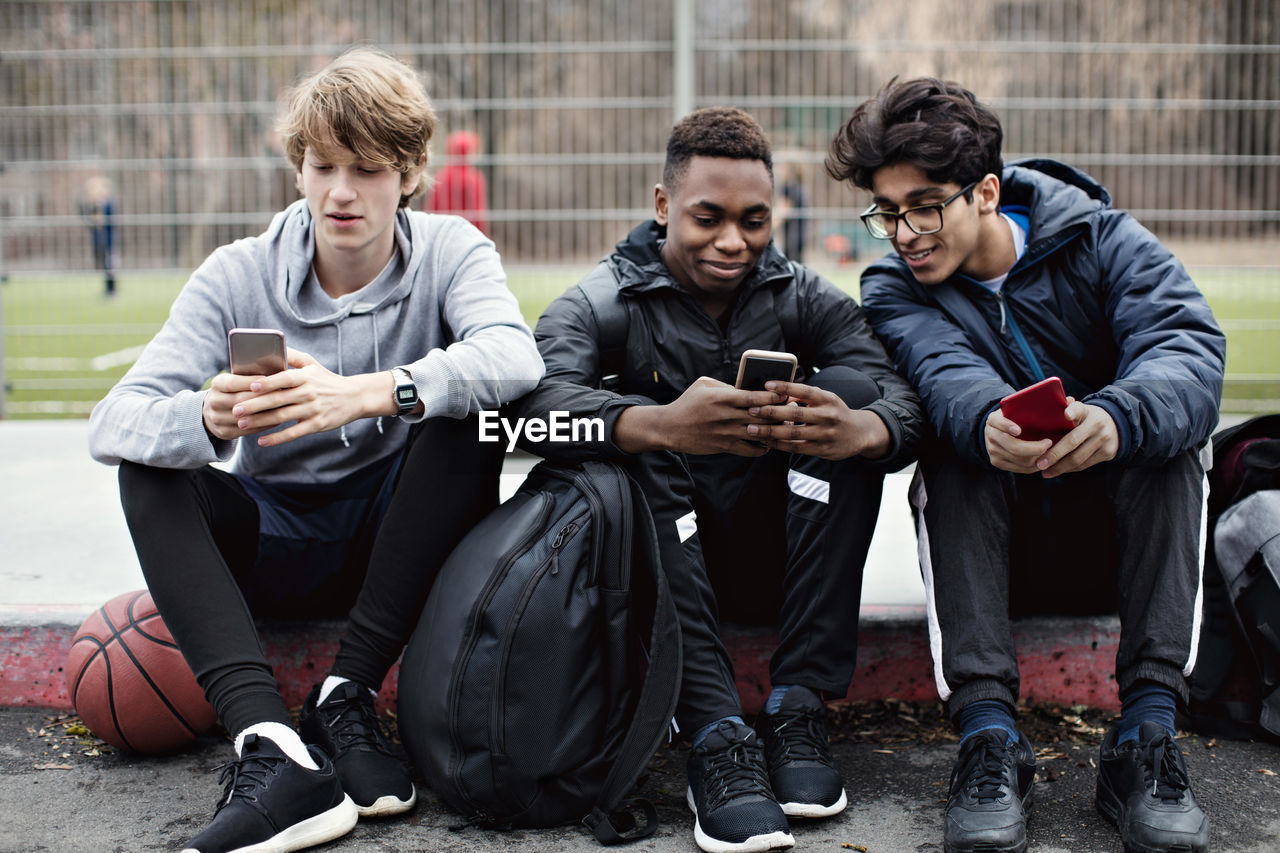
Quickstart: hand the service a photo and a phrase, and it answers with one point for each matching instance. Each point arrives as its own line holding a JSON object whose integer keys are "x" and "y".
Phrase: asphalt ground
{"x": 65, "y": 792}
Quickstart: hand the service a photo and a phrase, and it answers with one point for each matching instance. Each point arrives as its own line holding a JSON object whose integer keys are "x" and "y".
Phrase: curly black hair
{"x": 715, "y": 132}
{"x": 936, "y": 125}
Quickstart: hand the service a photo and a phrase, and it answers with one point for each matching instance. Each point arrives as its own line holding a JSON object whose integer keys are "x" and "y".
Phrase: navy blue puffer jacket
{"x": 1096, "y": 299}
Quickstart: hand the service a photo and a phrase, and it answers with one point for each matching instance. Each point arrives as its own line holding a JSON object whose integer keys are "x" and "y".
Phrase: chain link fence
{"x": 166, "y": 109}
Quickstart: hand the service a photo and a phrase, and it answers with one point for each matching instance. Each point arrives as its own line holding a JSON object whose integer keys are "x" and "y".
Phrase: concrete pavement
{"x": 54, "y": 797}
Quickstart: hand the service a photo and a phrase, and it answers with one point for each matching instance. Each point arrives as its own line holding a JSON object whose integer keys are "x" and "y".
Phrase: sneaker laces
{"x": 803, "y": 736}
{"x": 737, "y": 771}
{"x": 353, "y": 723}
{"x": 984, "y": 770}
{"x": 1163, "y": 770}
{"x": 242, "y": 777}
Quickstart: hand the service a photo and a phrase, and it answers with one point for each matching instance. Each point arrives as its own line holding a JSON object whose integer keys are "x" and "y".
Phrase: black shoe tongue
{"x": 725, "y": 735}
{"x": 1149, "y": 731}
{"x": 798, "y": 697}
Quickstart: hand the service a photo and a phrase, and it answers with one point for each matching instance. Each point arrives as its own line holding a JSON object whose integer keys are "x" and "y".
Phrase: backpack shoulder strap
{"x": 614, "y": 820}
{"x": 788, "y": 311}
{"x": 600, "y": 287}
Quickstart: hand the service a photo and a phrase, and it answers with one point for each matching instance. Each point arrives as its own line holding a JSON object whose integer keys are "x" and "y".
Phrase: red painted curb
{"x": 1064, "y": 661}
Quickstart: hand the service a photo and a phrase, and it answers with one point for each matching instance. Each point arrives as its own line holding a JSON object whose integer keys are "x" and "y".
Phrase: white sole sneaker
{"x": 815, "y": 809}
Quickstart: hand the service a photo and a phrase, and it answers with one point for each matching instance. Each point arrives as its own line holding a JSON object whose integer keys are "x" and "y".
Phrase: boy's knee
{"x": 854, "y": 387}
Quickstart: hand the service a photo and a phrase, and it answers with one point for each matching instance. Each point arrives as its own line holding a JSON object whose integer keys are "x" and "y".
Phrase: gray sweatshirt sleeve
{"x": 153, "y": 414}
{"x": 493, "y": 359}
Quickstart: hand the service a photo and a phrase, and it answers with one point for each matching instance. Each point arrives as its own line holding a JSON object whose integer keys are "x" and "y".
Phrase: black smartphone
{"x": 758, "y": 366}
{"x": 256, "y": 352}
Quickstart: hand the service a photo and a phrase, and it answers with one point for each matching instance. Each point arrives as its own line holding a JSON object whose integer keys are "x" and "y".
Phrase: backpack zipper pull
{"x": 557, "y": 544}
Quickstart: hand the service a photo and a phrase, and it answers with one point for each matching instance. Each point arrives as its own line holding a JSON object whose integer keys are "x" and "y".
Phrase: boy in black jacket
{"x": 1001, "y": 277}
{"x": 763, "y": 509}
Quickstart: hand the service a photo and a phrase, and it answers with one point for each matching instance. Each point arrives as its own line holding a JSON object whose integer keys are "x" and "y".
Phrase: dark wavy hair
{"x": 714, "y": 132}
{"x": 936, "y": 125}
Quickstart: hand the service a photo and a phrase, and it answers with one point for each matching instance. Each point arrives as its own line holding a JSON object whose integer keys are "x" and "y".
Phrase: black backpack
{"x": 1236, "y": 687}
{"x": 544, "y": 672}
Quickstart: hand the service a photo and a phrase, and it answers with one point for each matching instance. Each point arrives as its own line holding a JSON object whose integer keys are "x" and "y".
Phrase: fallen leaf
{"x": 848, "y": 846}
{"x": 53, "y": 766}
{"x": 1267, "y": 772}
{"x": 883, "y": 751}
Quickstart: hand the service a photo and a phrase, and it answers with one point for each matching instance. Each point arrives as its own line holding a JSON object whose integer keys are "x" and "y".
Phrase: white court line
{"x": 117, "y": 358}
{"x": 106, "y": 361}
{"x": 37, "y": 363}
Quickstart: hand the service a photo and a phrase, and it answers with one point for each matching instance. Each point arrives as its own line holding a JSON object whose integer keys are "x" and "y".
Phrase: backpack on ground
{"x": 544, "y": 672}
{"x": 1236, "y": 686}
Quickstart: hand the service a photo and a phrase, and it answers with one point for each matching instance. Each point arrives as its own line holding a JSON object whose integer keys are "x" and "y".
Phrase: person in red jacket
{"x": 460, "y": 187}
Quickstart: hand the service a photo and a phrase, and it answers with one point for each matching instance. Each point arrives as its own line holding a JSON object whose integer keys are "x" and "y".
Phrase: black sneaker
{"x": 1143, "y": 788}
{"x": 272, "y": 803}
{"x": 802, "y": 770}
{"x": 346, "y": 727}
{"x": 990, "y": 794}
{"x": 730, "y": 796}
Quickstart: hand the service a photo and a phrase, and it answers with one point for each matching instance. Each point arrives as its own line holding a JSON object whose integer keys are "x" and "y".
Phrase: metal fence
{"x": 1173, "y": 104}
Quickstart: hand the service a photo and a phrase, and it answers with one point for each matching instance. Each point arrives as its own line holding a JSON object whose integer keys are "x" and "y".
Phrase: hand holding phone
{"x": 1040, "y": 410}
{"x": 758, "y": 366}
{"x": 256, "y": 352}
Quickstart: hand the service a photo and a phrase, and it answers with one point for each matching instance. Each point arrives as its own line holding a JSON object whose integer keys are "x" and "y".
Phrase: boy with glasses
{"x": 1003, "y": 276}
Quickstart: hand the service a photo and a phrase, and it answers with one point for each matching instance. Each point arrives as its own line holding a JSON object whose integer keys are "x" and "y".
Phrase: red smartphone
{"x": 1040, "y": 410}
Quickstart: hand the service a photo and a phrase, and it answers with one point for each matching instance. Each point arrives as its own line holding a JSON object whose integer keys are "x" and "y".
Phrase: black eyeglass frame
{"x": 871, "y": 211}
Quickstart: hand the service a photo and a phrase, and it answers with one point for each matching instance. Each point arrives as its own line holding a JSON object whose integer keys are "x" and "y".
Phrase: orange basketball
{"x": 129, "y": 682}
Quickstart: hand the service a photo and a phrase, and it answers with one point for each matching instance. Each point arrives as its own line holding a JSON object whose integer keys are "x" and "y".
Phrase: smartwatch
{"x": 405, "y": 392}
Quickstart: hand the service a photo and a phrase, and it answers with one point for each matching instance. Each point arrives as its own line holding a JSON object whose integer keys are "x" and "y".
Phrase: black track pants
{"x": 994, "y": 545}
{"x": 196, "y": 535}
{"x": 780, "y": 538}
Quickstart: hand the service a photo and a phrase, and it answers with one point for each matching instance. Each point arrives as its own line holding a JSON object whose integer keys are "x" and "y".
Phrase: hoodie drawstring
{"x": 377, "y": 361}
{"x": 342, "y": 432}
{"x": 377, "y": 368}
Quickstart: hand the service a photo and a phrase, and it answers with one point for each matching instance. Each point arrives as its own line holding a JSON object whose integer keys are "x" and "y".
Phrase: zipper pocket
{"x": 473, "y": 619}
{"x": 550, "y": 565}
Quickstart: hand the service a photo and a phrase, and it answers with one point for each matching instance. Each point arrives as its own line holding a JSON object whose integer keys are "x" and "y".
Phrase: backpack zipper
{"x": 550, "y": 565}
{"x": 491, "y": 586}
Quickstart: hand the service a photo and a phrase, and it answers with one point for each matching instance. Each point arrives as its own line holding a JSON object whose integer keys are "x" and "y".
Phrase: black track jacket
{"x": 671, "y": 341}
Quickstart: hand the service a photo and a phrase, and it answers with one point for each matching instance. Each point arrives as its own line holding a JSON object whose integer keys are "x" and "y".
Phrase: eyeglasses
{"x": 925, "y": 219}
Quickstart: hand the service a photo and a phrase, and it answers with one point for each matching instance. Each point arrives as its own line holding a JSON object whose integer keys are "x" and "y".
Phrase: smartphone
{"x": 256, "y": 352}
{"x": 758, "y": 366}
{"x": 1040, "y": 410}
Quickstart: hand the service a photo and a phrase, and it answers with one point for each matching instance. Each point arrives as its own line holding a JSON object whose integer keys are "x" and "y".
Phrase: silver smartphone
{"x": 256, "y": 352}
{"x": 759, "y": 366}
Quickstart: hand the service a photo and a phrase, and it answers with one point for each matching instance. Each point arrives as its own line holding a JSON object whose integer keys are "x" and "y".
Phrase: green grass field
{"x": 65, "y": 344}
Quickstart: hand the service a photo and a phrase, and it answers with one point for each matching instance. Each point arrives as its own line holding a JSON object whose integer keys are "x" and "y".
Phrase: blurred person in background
{"x": 97, "y": 207}
{"x": 459, "y": 187}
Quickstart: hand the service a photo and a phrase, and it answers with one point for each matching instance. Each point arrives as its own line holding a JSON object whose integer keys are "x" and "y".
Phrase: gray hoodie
{"x": 441, "y": 309}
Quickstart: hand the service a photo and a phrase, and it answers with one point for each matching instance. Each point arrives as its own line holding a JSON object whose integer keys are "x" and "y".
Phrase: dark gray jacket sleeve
{"x": 568, "y": 341}
{"x": 841, "y": 334}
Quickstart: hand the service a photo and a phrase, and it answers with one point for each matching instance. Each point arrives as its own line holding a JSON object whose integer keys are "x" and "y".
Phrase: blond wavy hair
{"x": 368, "y": 102}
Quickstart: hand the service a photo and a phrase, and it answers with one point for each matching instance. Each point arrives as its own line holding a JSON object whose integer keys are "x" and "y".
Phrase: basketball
{"x": 130, "y": 684}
